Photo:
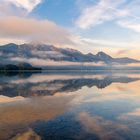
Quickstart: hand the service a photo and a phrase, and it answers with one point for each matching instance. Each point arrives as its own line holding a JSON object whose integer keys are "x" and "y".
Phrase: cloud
{"x": 124, "y": 13}
{"x": 27, "y": 135}
{"x": 104, "y": 129}
{"x": 102, "y": 42}
{"x": 111, "y": 47}
{"x": 28, "y": 5}
{"x": 120, "y": 52}
{"x": 5, "y": 99}
{"x": 39, "y": 108}
{"x": 100, "y": 12}
{"x": 135, "y": 112}
{"x": 130, "y": 25}
{"x": 33, "y": 30}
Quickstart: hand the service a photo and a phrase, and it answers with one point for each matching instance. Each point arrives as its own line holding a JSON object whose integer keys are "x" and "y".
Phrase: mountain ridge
{"x": 50, "y": 52}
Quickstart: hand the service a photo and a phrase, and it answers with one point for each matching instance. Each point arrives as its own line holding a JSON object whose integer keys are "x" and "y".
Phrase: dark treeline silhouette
{"x": 12, "y": 69}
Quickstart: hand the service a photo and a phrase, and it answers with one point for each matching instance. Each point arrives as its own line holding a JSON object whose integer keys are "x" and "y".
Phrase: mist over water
{"x": 70, "y": 105}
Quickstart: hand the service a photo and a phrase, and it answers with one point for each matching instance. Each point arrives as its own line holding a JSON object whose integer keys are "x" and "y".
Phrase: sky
{"x": 112, "y": 26}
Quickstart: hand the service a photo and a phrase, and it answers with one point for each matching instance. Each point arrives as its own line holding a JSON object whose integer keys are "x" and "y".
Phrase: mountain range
{"x": 50, "y": 52}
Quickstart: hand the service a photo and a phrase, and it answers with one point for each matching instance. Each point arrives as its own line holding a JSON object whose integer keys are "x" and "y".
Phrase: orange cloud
{"x": 121, "y": 52}
{"x": 33, "y": 30}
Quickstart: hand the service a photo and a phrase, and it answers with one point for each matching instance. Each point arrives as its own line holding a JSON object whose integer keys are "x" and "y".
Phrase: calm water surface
{"x": 70, "y": 106}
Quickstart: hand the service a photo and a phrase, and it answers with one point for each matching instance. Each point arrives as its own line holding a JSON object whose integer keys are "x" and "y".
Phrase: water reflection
{"x": 42, "y": 84}
{"x": 97, "y": 106}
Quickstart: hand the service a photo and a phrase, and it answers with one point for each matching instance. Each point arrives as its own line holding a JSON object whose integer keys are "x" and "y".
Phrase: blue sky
{"x": 62, "y": 12}
{"x": 87, "y": 25}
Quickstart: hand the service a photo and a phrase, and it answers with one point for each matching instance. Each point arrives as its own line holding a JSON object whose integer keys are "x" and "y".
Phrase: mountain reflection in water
{"x": 41, "y": 84}
{"x": 45, "y": 106}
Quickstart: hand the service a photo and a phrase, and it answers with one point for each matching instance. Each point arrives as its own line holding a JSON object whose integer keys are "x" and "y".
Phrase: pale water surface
{"x": 70, "y": 106}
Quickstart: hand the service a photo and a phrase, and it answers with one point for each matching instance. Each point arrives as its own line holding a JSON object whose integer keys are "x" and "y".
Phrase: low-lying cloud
{"x": 33, "y": 30}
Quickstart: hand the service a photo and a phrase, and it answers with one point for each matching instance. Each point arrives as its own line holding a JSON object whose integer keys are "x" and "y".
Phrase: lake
{"x": 80, "y": 105}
